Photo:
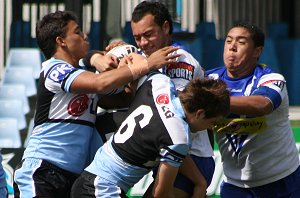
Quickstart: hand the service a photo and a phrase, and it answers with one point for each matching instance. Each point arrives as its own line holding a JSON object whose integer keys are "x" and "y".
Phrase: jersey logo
{"x": 162, "y": 99}
{"x": 168, "y": 113}
{"x": 58, "y": 72}
{"x": 241, "y": 125}
{"x": 170, "y": 156}
{"x": 78, "y": 105}
{"x": 236, "y": 142}
{"x": 278, "y": 83}
{"x": 180, "y": 70}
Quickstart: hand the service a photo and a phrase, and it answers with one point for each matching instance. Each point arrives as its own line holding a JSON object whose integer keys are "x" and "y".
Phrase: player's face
{"x": 198, "y": 121}
{"x": 240, "y": 55}
{"x": 149, "y": 36}
{"x": 204, "y": 124}
{"x": 76, "y": 42}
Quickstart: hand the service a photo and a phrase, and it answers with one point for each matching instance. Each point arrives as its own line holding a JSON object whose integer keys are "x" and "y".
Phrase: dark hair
{"x": 51, "y": 26}
{"x": 208, "y": 94}
{"x": 157, "y": 9}
{"x": 256, "y": 33}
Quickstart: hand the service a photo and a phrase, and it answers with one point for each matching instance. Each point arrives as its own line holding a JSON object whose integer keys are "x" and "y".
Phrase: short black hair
{"x": 256, "y": 33}
{"x": 51, "y": 26}
{"x": 157, "y": 9}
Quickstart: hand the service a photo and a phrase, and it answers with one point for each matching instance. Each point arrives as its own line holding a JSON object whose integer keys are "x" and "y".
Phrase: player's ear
{"x": 200, "y": 114}
{"x": 166, "y": 27}
{"x": 258, "y": 51}
{"x": 60, "y": 41}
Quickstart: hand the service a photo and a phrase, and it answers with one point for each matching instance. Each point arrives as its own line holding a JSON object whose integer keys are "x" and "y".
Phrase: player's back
{"x": 155, "y": 121}
{"x": 154, "y": 130}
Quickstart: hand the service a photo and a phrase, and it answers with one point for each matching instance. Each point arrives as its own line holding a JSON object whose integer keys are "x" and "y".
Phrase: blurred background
{"x": 200, "y": 25}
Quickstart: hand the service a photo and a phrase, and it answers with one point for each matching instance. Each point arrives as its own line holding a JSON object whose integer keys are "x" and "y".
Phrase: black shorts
{"x": 83, "y": 187}
{"x": 49, "y": 181}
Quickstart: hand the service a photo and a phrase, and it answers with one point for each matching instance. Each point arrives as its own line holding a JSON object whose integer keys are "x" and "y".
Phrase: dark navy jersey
{"x": 154, "y": 131}
{"x": 153, "y": 124}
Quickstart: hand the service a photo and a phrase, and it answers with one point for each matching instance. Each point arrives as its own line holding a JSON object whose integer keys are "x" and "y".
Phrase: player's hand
{"x": 104, "y": 63}
{"x": 115, "y": 44}
{"x": 125, "y": 61}
{"x": 162, "y": 57}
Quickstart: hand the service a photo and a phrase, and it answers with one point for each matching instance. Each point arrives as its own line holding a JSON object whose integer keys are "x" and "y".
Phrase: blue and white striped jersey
{"x": 257, "y": 150}
{"x": 64, "y": 121}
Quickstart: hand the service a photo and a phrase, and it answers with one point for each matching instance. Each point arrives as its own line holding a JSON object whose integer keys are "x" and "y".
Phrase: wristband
{"x": 87, "y": 59}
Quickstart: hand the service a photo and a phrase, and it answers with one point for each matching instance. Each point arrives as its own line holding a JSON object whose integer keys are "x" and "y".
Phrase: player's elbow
{"x": 264, "y": 108}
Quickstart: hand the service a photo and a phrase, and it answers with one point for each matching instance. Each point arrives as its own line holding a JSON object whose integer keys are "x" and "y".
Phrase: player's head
{"x": 60, "y": 29}
{"x": 257, "y": 35}
{"x": 152, "y": 26}
{"x": 243, "y": 45}
{"x": 205, "y": 101}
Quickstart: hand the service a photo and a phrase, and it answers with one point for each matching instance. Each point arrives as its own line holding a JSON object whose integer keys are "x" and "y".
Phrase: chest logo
{"x": 180, "y": 70}
{"x": 162, "y": 99}
{"x": 78, "y": 105}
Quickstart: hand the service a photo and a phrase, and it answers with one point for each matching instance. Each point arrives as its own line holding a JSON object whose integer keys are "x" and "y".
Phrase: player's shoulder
{"x": 216, "y": 72}
{"x": 183, "y": 50}
{"x": 57, "y": 70}
{"x": 266, "y": 72}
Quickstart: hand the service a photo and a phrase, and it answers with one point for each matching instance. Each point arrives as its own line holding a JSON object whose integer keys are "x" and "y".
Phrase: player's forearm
{"x": 91, "y": 56}
{"x": 163, "y": 183}
{"x": 250, "y": 105}
{"x": 190, "y": 170}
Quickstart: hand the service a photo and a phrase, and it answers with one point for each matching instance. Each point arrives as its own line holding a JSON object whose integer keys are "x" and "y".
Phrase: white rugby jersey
{"x": 154, "y": 131}
{"x": 64, "y": 122}
{"x": 257, "y": 150}
{"x": 185, "y": 69}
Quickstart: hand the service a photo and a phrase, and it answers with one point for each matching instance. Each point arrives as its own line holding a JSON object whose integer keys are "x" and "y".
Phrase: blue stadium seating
{"x": 269, "y": 55}
{"x": 95, "y": 35}
{"x": 206, "y": 30}
{"x": 127, "y": 34}
{"x": 289, "y": 59}
{"x": 15, "y": 91}
{"x": 13, "y": 109}
{"x": 212, "y": 55}
{"x": 277, "y": 30}
{"x": 25, "y": 57}
{"x": 9, "y": 133}
{"x": 21, "y": 75}
{"x": 20, "y": 34}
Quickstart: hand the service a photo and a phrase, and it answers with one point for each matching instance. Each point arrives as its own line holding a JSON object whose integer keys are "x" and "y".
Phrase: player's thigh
{"x": 83, "y": 186}
{"x": 38, "y": 178}
{"x": 89, "y": 185}
{"x": 23, "y": 178}
{"x": 107, "y": 189}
